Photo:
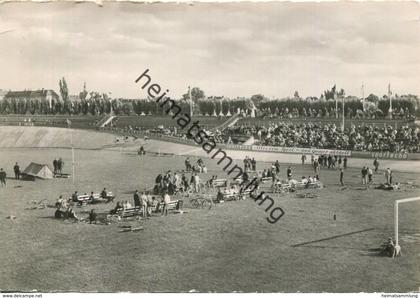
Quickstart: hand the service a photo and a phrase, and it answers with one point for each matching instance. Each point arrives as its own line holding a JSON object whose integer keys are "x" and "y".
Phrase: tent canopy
{"x": 38, "y": 170}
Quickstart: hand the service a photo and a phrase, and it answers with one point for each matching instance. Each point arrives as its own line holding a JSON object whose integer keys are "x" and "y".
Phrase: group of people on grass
{"x": 65, "y": 205}
{"x": 173, "y": 183}
{"x": 199, "y": 167}
{"x": 58, "y": 165}
{"x": 3, "y": 174}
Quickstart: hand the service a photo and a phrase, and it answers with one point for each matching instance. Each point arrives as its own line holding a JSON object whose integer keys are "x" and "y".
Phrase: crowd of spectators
{"x": 328, "y": 136}
{"x": 286, "y": 113}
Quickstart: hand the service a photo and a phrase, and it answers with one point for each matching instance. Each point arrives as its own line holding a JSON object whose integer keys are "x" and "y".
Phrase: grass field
{"x": 231, "y": 247}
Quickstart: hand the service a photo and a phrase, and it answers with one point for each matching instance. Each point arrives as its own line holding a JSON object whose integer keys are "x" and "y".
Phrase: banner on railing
{"x": 381, "y": 155}
{"x": 294, "y": 150}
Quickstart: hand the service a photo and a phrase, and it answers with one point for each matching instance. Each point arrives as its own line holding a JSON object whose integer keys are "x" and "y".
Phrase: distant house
{"x": 44, "y": 94}
{"x": 3, "y": 93}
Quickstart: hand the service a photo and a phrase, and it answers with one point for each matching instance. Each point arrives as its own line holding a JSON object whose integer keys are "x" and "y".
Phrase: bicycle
{"x": 201, "y": 201}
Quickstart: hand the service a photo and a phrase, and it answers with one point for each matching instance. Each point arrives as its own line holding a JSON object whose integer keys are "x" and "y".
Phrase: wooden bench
{"x": 85, "y": 199}
{"x": 238, "y": 181}
{"x": 281, "y": 187}
{"x": 266, "y": 179}
{"x": 230, "y": 196}
{"x": 173, "y": 205}
{"x": 128, "y": 212}
{"x": 316, "y": 184}
{"x": 219, "y": 183}
{"x": 245, "y": 194}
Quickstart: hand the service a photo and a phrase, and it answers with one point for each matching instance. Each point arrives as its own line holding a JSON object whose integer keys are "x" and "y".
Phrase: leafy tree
{"x": 257, "y": 99}
{"x": 196, "y": 95}
{"x": 372, "y": 98}
{"x": 63, "y": 89}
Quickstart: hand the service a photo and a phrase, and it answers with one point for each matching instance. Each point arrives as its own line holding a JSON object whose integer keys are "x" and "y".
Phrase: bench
{"x": 85, "y": 199}
{"x": 238, "y": 181}
{"x": 173, "y": 205}
{"x": 266, "y": 179}
{"x": 281, "y": 187}
{"x": 219, "y": 183}
{"x": 128, "y": 212}
{"x": 316, "y": 184}
{"x": 246, "y": 193}
{"x": 231, "y": 196}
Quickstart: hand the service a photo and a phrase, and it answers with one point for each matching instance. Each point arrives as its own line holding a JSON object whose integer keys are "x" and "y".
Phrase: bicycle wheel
{"x": 195, "y": 203}
{"x": 207, "y": 203}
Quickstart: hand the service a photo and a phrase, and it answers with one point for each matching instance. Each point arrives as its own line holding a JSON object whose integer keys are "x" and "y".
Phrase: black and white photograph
{"x": 209, "y": 147}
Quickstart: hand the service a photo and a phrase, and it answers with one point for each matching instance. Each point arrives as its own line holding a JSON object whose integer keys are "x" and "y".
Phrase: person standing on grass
{"x": 370, "y": 175}
{"x": 277, "y": 166}
{"x": 2, "y": 177}
{"x": 289, "y": 173}
{"x": 376, "y": 165}
{"x": 143, "y": 204}
{"x": 345, "y": 162}
{"x": 196, "y": 180}
{"x": 253, "y": 164}
{"x": 136, "y": 198}
{"x": 341, "y": 176}
{"x": 149, "y": 204}
{"x": 55, "y": 164}
{"x": 16, "y": 169}
{"x": 166, "y": 201}
{"x": 388, "y": 176}
{"x": 303, "y": 158}
{"x": 364, "y": 174}
{"x": 316, "y": 166}
{"x": 60, "y": 165}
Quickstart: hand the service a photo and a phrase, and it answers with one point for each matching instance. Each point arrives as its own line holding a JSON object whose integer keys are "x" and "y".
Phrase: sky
{"x": 230, "y": 49}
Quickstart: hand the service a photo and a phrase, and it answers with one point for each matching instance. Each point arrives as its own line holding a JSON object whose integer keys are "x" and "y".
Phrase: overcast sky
{"x": 225, "y": 49}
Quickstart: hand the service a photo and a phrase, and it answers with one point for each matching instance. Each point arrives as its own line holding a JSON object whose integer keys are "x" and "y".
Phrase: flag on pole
{"x": 390, "y": 101}
{"x": 363, "y": 97}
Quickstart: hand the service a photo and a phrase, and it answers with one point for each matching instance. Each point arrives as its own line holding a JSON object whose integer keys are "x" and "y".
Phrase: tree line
{"x": 100, "y": 106}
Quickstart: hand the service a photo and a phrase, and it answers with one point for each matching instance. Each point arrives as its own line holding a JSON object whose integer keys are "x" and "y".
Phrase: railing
{"x": 231, "y": 121}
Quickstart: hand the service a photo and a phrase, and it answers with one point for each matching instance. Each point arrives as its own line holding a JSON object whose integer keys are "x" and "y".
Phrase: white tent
{"x": 36, "y": 170}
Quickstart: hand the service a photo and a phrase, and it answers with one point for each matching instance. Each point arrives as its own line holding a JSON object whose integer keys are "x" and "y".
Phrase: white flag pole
{"x": 390, "y": 101}
{"x": 191, "y": 103}
{"x": 72, "y": 150}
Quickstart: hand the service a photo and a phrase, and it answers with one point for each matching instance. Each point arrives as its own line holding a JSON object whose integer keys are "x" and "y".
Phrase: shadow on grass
{"x": 332, "y": 237}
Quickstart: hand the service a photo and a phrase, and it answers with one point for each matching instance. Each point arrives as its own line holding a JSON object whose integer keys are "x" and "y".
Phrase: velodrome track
{"x": 52, "y": 137}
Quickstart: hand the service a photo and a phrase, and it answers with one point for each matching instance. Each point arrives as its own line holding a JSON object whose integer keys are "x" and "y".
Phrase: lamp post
{"x": 191, "y": 103}
{"x": 390, "y": 101}
{"x": 343, "y": 113}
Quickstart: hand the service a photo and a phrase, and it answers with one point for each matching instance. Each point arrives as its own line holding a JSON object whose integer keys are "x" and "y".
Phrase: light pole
{"x": 72, "y": 149}
{"x": 191, "y": 103}
{"x": 343, "y": 113}
{"x": 390, "y": 101}
{"x": 336, "y": 105}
